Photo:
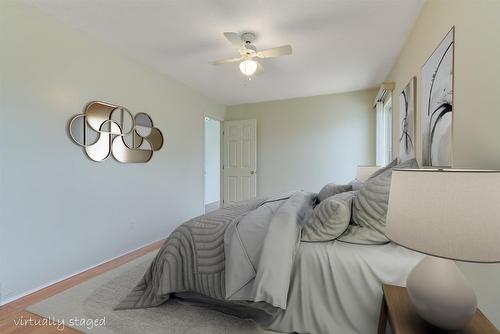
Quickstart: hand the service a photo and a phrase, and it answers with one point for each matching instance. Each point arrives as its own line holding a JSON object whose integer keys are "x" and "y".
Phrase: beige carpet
{"x": 89, "y": 308}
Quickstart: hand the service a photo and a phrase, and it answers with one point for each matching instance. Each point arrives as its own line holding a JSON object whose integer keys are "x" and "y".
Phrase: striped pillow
{"x": 369, "y": 209}
{"x": 330, "y": 218}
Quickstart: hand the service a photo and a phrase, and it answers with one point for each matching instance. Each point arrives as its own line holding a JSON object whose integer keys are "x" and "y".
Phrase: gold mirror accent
{"x": 105, "y": 129}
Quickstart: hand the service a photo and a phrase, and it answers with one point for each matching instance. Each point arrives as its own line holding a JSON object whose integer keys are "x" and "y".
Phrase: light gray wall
{"x": 59, "y": 211}
{"x": 476, "y": 115}
{"x": 305, "y": 143}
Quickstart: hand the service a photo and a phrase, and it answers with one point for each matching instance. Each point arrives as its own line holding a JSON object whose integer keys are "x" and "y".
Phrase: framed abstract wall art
{"x": 436, "y": 104}
{"x": 407, "y": 121}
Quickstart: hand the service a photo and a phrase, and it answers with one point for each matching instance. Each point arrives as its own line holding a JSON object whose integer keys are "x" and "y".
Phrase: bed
{"x": 248, "y": 259}
{"x": 344, "y": 294}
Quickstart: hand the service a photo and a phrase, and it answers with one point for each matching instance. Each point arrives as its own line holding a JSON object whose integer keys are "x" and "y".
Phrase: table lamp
{"x": 364, "y": 172}
{"x": 448, "y": 214}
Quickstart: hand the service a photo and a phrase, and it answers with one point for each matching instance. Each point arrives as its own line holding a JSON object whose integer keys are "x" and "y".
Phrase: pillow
{"x": 356, "y": 184}
{"x": 330, "y": 218}
{"x": 369, "y": 209}
{"x": 332, "y": 189}
{"x": 391, "y": 165}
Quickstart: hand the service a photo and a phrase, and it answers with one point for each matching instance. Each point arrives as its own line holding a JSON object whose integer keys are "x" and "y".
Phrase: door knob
{"x": 252, "y": 172}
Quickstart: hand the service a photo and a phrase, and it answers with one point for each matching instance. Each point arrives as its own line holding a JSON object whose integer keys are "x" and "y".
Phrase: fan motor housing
{"x": 248, "y": 37}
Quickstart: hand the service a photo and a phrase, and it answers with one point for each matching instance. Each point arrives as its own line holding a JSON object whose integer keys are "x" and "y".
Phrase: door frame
{"x": 221, "y": 161}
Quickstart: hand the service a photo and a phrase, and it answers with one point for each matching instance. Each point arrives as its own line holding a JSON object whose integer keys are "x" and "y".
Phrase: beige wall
{"x": 305, "y": 143}
{"x": 476, "y": 117}
{"x": 59, "y": 211}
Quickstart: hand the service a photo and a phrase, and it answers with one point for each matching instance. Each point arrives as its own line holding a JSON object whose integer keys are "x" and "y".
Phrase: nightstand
{"x": 398, "y": 310}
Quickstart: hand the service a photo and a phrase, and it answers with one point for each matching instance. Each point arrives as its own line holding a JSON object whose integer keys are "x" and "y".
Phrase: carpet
{"x": 89, "y": 307}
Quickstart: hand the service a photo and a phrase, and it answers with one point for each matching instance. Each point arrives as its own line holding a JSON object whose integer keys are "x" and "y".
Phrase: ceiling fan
{"x": 243, "y": 44}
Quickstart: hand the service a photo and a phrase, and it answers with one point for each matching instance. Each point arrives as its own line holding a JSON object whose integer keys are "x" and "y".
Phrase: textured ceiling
{"x": 338, "y": 45}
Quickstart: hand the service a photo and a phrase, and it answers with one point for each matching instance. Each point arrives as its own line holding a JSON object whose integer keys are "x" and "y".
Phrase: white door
{"x": 240, "y": 160}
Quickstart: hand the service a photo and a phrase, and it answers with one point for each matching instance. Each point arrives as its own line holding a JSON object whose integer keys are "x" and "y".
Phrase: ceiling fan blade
{"x": 234, "y": 39}
{"x": 260, "y": 69}
{"x": 226, "y": 61}
{"x": 275, "y": 52}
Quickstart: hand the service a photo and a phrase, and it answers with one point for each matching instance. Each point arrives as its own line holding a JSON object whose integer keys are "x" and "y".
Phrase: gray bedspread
{"x": 190, "y": 260}
{"x": 193, "y": 258}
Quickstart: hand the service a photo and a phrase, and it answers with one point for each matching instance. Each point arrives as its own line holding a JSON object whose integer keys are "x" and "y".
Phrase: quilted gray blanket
{"x": 193, "y": 258}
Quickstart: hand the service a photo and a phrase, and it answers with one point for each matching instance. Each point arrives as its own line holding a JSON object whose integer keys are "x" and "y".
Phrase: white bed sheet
{"x": 336, "y": 287}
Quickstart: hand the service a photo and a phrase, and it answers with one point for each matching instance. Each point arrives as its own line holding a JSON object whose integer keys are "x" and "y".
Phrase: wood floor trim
{"x": 16, "y": 308}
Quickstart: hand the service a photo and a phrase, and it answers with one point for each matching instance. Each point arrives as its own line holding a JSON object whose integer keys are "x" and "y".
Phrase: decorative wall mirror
{"x": 105, "y": 129}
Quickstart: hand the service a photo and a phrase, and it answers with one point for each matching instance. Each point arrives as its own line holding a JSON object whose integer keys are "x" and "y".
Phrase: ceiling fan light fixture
{"x": 248, "y": 67}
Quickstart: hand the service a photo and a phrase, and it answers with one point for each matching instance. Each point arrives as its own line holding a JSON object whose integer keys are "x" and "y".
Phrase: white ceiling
{"x": 338, "y": 45}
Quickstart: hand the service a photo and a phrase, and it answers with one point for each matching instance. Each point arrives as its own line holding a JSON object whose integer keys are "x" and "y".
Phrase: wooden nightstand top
{"x": 403, "y": 319}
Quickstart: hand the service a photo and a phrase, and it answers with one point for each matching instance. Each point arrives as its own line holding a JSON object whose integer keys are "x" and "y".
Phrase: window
{"x": 384, "y": 129}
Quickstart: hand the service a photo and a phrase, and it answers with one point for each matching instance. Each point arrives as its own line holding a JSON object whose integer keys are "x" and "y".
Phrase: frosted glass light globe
{"x": 248, "y": 67}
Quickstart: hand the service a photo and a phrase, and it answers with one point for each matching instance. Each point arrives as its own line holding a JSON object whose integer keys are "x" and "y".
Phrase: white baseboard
{"x": 43, "y": 286}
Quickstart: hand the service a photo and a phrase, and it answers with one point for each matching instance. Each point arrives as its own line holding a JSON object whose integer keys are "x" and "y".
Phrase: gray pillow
{"x": 369, "y": 209}
{"x": 332, "y": 189}
{"x": 330, "y": 218}
{"x": 391, "y": 165}
{"x": 357, "y": 184}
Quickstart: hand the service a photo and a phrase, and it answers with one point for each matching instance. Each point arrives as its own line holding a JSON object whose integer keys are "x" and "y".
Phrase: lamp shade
{"x": 449, "y": 213}
{"x": 364, "y": 172}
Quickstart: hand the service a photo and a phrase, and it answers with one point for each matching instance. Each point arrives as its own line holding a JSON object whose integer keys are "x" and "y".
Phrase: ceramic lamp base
{"x": 441, "y": 294}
